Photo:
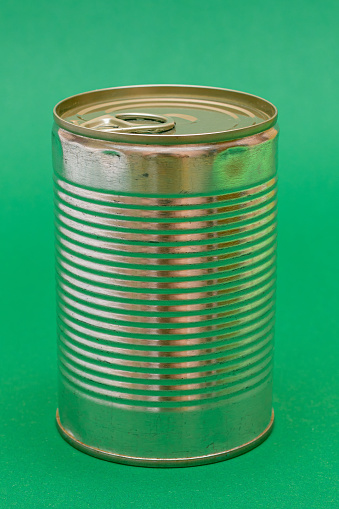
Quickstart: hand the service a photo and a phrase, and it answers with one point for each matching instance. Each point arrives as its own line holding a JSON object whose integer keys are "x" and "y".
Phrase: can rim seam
{"x": 164, "y": 462}
{"x": 164, "y": 138}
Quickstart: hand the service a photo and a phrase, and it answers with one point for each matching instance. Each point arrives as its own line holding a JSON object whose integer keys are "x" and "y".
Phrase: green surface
{"x": 283, "y": 51}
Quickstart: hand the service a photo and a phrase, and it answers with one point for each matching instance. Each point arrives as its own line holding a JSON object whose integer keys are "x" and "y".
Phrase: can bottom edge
{"x": 164, "y": 462}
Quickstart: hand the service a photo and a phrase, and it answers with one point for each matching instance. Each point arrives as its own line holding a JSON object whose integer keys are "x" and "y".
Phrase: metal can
{"x": 165, "y": 209}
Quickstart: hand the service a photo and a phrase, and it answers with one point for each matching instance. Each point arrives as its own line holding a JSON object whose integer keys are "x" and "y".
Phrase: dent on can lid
{"x": 165, "y": 114}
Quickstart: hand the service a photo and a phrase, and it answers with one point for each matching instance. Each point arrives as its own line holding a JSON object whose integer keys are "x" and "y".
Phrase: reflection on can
{"x": 165, "y": 208}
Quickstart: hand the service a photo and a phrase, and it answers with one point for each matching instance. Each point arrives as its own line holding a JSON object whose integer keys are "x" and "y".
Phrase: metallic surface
{"x": 201, "y": 114}
{"x": 166, "y": 291}
{"x": 127, "y": 123}
{"x": 159, "y": 462}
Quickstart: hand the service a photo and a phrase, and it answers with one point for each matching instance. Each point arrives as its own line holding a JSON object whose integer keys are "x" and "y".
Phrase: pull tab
{"x": 122, "y": 123}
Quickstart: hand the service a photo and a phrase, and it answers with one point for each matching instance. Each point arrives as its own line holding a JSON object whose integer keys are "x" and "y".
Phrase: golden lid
{"x": 165, "y": 114}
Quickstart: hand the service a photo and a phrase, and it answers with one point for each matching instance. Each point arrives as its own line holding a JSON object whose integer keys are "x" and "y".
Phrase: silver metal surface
{"x": 166, "y": 260}
{"x": 165, "y": 462}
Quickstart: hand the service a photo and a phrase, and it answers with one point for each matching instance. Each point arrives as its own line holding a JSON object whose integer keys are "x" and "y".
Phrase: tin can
{"x": 165, "y": 210}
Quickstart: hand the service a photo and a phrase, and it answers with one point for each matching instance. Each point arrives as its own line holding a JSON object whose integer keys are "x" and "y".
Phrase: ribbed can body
{"x": 166, "y": 260}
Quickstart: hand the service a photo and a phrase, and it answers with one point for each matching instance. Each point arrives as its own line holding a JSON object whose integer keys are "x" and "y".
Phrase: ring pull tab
{"x": 123, "y": 123}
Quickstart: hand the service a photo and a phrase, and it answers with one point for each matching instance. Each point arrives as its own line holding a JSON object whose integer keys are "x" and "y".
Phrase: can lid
{"x": 165, "y": 114}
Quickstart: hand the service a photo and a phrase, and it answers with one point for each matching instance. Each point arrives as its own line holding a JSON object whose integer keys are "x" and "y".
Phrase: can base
{"x": 164, "y": 462}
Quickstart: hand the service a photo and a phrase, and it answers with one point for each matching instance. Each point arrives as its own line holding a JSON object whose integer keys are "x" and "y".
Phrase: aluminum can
{"x": 165, "y": 213}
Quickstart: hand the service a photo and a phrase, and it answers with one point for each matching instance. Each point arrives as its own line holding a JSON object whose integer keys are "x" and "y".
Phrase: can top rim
{"x": 202, "y": 114}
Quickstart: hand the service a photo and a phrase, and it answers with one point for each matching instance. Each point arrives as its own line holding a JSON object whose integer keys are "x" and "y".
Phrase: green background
{"x": 285, "y": 51}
